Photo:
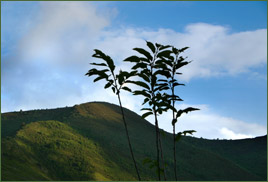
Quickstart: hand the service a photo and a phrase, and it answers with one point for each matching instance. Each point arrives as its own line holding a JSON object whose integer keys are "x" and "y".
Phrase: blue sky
{"x": 46, "y": 48}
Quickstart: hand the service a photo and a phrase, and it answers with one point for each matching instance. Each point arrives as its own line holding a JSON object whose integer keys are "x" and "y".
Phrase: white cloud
{"x": 215, "y": 50}
{"x": 211, "y": 125}
{"x": 229, "y": 134}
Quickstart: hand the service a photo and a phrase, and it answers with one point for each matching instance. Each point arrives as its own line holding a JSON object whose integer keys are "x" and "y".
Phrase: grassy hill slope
{"x": 87, "y": 142}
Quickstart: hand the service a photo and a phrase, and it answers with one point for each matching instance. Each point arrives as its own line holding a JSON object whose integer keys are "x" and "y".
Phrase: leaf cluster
{"x": 115, "y": 81}
{"x": 151, "y": 67}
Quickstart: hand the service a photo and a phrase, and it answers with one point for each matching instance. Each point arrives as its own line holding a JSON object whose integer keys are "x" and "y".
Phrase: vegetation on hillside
{"x": 92, "y": 137}
{"x": 51, "y": 150}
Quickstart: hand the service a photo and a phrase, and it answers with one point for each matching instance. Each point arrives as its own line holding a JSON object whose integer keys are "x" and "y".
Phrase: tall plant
{"x": 150, "y": 68}
{"x": 117, "y": 83}
{"x": 174, "y": 62}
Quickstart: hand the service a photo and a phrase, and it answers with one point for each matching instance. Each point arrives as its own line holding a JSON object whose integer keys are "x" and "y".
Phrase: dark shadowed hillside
{"x": 87, "y": 142}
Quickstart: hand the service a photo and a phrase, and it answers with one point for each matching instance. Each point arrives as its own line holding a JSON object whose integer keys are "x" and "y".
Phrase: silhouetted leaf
{"x": 146, "y": 114}
{"x": 164, "y": 47}
{"x": 113, "y": 88}
{"x": 165, "y": 53}
{"x": 164, "y": 61}
{"x": 134, "y": 59}
{"x": 162, "y": 72}
{"x": 139, "y": 65}
{"x": 181, "y": 64}
{"x": 92, "y": 72}
{"x": 109, "y": 61}
{"x": 189, "y": 109}
{"x": 162, "y": 80}
{"x": 142, "y": 92}
{"x": 151, "y": 46}
{"x": 120, "y": 78}
{"x": 144, "y": 60}
{"x": 99, "y": 78}
{"x": 127, "y": 89}
{"x": 188, "y": 132}
{"x": 144, "y": 52}
{"x": 145, "y": 100}
{"x": 99, "y": 64}
{"x": 175, "y": 50}
{"x": 132, "y": 73}
{"x": 162, "y": 66}
{"x": 144, "y": 77}
{"x": 146, "y": 109}
{"x": 183, "y": 49}
{"x": 142, "y": 84}
{"x": 177, "y": 84}
{"x": 108, "y": 85}
{"x": 158, "y": 45}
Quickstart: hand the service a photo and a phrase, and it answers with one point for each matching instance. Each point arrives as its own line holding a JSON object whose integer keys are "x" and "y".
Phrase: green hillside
{"x": 87, "y": 142}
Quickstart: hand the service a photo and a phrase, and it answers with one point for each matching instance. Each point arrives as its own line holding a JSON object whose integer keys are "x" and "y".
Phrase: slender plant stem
{"x": 162, "y": 155}
{"x": 129, "y": 144}
{"x": 125, "y": 124}
{"x": 174, "y": 149}
{"x": 173, "y": 112}
{"x": 174, "y": 136}
{"x": 157, "y": 145}
{"x": 155, "y": 117}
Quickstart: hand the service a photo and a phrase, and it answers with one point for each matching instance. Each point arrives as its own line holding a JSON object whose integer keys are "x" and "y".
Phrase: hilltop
{"x": 87, "y": 142}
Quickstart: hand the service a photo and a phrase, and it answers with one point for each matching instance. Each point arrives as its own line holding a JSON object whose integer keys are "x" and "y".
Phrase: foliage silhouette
{"x": 116, "y": 82}
{"x": 157, "y": 71}
{"x": 150, "y": 67}
{"x": 163, "y": 63}
{"x": 174, "y": 62}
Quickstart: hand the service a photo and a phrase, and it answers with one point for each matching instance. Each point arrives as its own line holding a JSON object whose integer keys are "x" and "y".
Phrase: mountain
{"x": 88, "y": 142}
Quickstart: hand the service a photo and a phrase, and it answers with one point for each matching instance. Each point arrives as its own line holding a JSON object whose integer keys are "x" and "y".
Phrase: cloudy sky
{"x": 46, "y": 49}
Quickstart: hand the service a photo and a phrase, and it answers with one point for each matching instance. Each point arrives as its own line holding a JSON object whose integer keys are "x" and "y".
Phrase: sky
{"x": 46, "y": 48}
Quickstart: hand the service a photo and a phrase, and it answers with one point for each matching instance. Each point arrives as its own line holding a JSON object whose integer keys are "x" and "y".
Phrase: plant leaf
{"x": 140, "y": 83}
{"x": 188, "y": 132}
{"x": 151, "y": 46}
{"x": 144, "y": 52}
{"x": 108, "y": 85}
{"x": 164, "y": 47}
{"x": 142, "y": 92}
{"x": 177, "y": 84}
{"x": 108, "y": 59}
{"x": 98, "y": 78}
{"x": 146, "y": 114}
{"x": 189, "y": 109}
{"x": 139, "y": 65}
{"x": 127, "y": 89}
{"x": 145, "y": 100}
{"x": 134, "y": 59}
{"x": 99, "y": 64}
{"x": 146, "y": 109}
{"x": 165, "y": 53}
{"x": 113, "y": 88}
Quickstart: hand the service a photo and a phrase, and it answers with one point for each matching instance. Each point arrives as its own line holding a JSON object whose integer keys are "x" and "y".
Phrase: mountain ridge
{"x": 101, "y": 123}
